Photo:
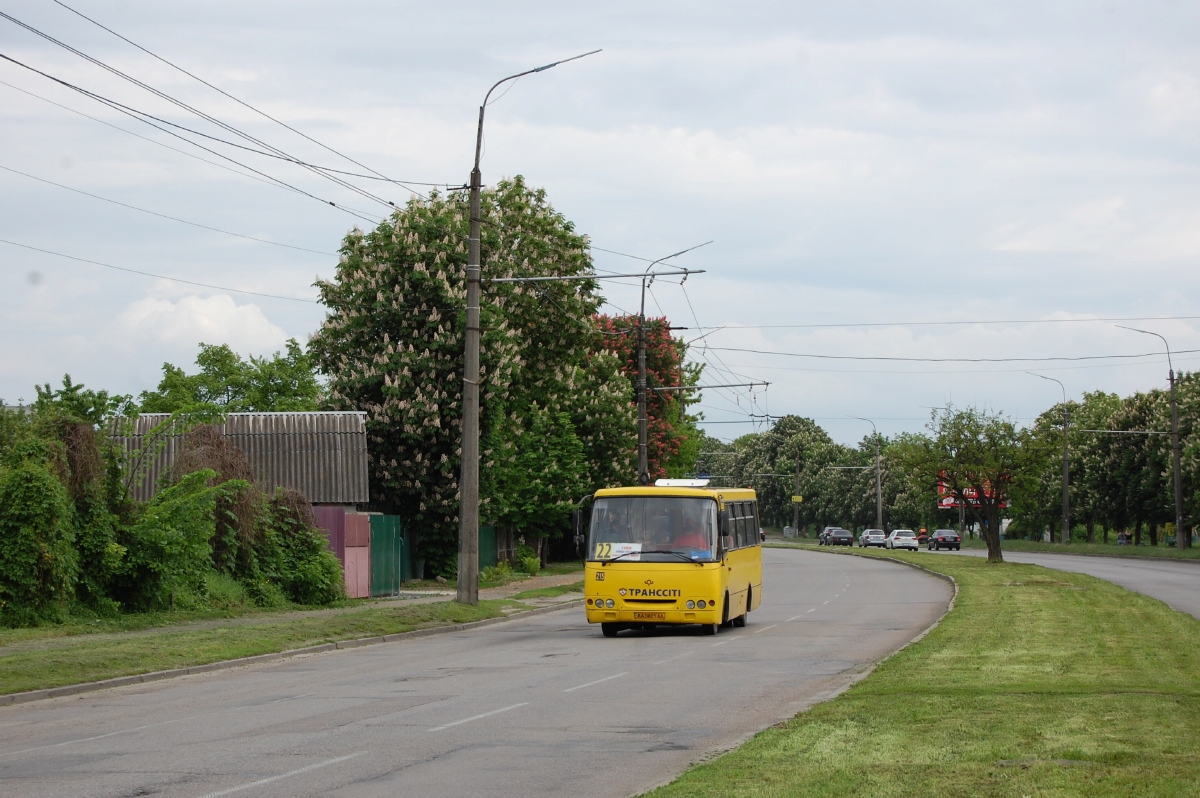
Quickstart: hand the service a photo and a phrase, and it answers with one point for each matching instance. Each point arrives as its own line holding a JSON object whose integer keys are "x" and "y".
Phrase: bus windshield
{"x": 653, "y": 529}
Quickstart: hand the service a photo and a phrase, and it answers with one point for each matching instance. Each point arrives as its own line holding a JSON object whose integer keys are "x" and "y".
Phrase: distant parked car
{"x": 872, "y": 537}
{"x": 903, "y": 539}
{"x": 944, "y": 539}
{"x": 840, "y": 537}
{"x": 825, "y": 533}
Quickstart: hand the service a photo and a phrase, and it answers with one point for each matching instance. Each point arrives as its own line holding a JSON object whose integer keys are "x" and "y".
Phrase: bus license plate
{"x": 649, "y": 616}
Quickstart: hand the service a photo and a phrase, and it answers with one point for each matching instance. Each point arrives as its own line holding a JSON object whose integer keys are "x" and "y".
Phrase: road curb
{"x": 156, "y": 676}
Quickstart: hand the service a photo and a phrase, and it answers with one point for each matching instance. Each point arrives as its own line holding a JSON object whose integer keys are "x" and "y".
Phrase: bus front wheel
{"x": 708, "y": 628}
{"x": 609, "y": 629}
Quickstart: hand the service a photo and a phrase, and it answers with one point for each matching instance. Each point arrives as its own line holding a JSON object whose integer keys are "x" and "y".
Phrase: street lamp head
{"x": 1170, "y": 367}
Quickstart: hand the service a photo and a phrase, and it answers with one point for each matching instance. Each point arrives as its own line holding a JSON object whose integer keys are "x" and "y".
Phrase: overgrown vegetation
{"x": 72, "y": 541}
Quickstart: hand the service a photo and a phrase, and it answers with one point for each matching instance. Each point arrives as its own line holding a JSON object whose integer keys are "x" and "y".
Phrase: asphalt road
{"x": 536, "y": 706}
{"x": 1175, "y": 583}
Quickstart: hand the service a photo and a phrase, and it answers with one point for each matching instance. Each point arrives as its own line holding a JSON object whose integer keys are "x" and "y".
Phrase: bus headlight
{"x": 610, "y": 604}
{"x": 700, "y": 604}
{"x": 691, "y": 605}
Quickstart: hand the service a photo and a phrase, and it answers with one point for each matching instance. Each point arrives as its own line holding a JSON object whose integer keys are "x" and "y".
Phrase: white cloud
{"x": 192, "y": 320}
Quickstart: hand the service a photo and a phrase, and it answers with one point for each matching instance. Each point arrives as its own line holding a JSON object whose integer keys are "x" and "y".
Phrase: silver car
{"x": 903, "y": 539}
{"x": 872, "y": 537}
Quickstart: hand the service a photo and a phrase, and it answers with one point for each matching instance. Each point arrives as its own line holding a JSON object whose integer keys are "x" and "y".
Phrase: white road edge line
{"x": 474, "y": 717}
{"x": 287, "y": 775}
{"x": 765, "y": 628}
{"x": 598, "y": 681}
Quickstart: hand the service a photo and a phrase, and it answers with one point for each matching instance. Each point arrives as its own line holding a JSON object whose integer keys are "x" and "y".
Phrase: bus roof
{"x": 727, "y": 494}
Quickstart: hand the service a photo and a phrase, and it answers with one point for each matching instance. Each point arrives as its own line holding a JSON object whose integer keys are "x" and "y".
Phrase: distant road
{"x": 1173, "y": 582}
{"x": 542, "y": 706}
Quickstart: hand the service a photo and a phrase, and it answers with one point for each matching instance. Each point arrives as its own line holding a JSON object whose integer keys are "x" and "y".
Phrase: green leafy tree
{"x": 978, "y": 455}
{"x": 392, "y": 345}
{"x": 281, "y": 383}
{"x": 673, "y": 439}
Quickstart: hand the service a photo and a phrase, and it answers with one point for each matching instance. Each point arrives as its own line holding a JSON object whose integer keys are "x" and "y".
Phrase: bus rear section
{"x": 664, "y": 555}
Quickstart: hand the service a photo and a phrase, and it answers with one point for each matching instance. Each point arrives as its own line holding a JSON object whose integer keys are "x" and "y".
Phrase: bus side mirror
{"x": 577, "y": 526}
{"x": 722, "y": 523}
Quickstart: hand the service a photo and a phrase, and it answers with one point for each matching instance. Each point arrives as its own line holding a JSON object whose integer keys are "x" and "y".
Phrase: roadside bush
{"x": 168, "y": 550}
{"x": 38, "y": 562}
{"x": 531, "y": 565}
{"x": 499, "y": 572}
{"x": 295, "y": 555}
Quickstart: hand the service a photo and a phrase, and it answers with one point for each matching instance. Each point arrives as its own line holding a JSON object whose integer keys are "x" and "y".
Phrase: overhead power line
{"x": 833, "y": 325}
{"x": 163, "y": 215}
{"x": 374, "y": 176}
{"x": 943, "y": 359}
{"x": 159, "y": 276}
{"x": 181, "y": 104}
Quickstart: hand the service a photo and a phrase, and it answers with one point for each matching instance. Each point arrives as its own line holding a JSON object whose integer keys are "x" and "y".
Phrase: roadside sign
{"x": 797, "y": 500}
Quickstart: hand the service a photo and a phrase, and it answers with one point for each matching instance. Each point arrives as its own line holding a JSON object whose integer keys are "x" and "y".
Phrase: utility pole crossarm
{"x": 702, "y": 387}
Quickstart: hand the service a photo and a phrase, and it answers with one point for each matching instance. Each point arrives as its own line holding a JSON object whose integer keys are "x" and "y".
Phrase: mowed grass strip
{"x": 1161, "y": 551}
{"x": 1038, "y": 683}
{"x": 58, "y": 661}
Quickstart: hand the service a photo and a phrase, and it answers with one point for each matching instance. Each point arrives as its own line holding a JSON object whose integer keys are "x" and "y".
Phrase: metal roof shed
{"x": 321, "y": 454}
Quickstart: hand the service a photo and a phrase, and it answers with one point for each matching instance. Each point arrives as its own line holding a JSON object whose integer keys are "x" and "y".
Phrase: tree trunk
{"x": 991, "y": 533}
{"x": 1106, "y": 534}
{"x": 1091, "y": 530}
{"x": 1137, "y": 533}
{"x": 1154, "y": 534}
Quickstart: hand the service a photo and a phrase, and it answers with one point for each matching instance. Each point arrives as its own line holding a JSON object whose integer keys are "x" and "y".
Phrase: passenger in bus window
{"x": 692, "y": 536}
{"x": 613, "y": 529}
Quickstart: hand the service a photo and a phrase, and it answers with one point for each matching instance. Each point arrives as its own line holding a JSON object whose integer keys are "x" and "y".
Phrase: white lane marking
{"x": 794, "y": 617}
{"x": 677, "y": 656}
{"x": 825, "y": 602}
{"x": 476, "y": 717}
{"x": 287, "y": 775}
{"x": 589, "y": 684}
{"x": 765, "y": 628}
{"x": 723, "y": 642}
{"x": 151, "y": 725}
{"x": 814, "y": 609}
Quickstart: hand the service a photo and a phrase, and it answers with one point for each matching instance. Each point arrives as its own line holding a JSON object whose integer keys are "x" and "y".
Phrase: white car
{"x": 902, "y": 539}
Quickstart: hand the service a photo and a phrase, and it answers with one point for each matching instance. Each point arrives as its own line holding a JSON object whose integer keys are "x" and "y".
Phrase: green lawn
{"x": 1109, "y": 550}
{"x": 1038, "y": 683}
{"x": 30, "y": 662}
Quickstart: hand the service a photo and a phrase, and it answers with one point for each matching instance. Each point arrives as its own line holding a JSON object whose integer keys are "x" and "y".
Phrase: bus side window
{"x": 755, "y": 539}
{"x": 741, "y": 524}
{"x": 735, "y": 534}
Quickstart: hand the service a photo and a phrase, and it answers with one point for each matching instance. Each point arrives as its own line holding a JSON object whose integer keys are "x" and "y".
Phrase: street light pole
{"x": 468, "y": 483}
{"x": 1066, "y": 478}
{"x": 1182, "y": 540}
{"x": 878, "y": 474}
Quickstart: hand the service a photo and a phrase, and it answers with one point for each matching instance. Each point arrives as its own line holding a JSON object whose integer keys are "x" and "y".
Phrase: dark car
{"x": 824, "y": 534}
{"x": 944, "y": 539}
{"x": 839, "y": 537}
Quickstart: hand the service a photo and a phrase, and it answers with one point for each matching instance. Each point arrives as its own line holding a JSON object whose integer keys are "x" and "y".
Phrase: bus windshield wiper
{"x": 678, "y": 554}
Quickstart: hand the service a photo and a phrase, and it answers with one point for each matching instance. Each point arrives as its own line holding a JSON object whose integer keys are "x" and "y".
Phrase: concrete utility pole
{"x": 643, "y": 475}
{"x": 1183, "y": 538}
{"x": 878, "y": 474}
{"x": 795, "y": 504}
{"x": 1066, "y": 473}
{"x": 468, "y": 484}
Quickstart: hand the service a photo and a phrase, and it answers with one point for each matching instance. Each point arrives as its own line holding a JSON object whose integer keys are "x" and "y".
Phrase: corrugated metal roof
{"x": 322, "y": 454}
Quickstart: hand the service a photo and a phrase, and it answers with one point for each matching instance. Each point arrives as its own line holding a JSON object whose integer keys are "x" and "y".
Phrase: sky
{"x": 883, "y": 190}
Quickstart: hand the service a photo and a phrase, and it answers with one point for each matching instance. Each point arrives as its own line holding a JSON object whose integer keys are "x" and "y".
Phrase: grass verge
{"x": 1038, "y": 683}
{"x": 38, "y": 663}
{"x": 551, "y": 592}
{"x": 1108, "y": 550}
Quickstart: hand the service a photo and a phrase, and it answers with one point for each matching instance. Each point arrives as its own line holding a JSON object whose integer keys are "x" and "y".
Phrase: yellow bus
{"x": 677, "y": 552}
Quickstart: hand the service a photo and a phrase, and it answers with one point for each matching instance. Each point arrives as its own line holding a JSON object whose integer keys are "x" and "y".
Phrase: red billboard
{"x": 948, "y": 500}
